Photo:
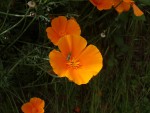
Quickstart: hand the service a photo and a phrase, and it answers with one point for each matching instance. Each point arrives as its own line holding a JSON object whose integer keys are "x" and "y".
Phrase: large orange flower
{"x": 76, "y": 61}
{"x": 102, "y": 4}
{"x": 124, "y": 5}
{"x": 60, "y": 27}
{"x": 35, "y": 105}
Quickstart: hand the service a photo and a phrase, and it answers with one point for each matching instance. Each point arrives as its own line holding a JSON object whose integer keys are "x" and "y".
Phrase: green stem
{"x": 15, "y": 24}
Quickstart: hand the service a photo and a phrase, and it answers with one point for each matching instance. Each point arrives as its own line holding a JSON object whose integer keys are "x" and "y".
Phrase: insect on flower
{"x": 68, "y": 57}
{"x": 78, "y": 63}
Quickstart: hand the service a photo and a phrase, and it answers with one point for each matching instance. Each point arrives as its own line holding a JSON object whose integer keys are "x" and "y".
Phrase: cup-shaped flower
{"x": 102, "y": 4}
{"x": 35, "y": 105}
{"x": 60, "y": 27}
{"x": 124, "y": 5}
{"x": 76, "y": 61}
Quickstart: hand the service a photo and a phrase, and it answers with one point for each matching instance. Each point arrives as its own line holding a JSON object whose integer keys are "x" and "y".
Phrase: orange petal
{"x": 102, "y": 4}
{"x": 91, "y": 63}
{"x": 105, "y": 5}
{"x": 27, "y": 107}
{"x": 95, "y": 2}
{"x": 37, "y": 102}
{"x": 91, "y": 59}
{"x": 52, "y": 35}
{"x": 121, "y": 6}
{"x": 78, "y": 77}
{"x": 118, "y": 6}
{"x": 126, "y": 6}
{"x": 73, "y": 28}
{"x": 128, "y": 1}
{"x": 58, "y": 63}
{"x": 59, "y": 25}
{"x": 40, "y": 111}
{"x": 72, "y": 44}
{"x": 37, "y": 110}
{"x": 137, "y": 11}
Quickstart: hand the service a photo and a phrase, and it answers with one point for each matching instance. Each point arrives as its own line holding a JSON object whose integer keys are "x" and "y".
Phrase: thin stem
{"x": 15, "y": 15}
{"x": 15, "y": 24}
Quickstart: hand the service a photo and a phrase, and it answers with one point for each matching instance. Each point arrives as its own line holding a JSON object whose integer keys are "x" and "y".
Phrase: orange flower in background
{"x": 136, "y": 10}
{"x": 36, "y": 105}
{"x": 60, "y": 27}
{"x": 121, "y": 6}
{"x": 102, "y": 4}
{"x": 124, "y": 5}
{"x": 76, "y": 61}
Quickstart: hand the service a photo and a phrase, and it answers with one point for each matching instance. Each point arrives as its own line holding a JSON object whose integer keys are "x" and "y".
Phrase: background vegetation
{"x": 122, "y": 86}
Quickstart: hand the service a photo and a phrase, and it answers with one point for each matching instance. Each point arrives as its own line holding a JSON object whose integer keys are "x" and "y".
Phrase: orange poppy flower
{"x": 124, "y": 5}
{"x": 76, "y": 61}
{"x": 60, "y": 27}
{"x": 35, "y": 105}
{"x": 102, "y": 4}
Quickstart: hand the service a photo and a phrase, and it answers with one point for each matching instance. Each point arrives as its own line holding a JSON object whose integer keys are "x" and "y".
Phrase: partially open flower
{"x": 119, "y": 5}
{"x": 36, "y": 105}
{"x": 76, "y": 61}
{"x": 60, "y": 27}
{"x": 124, "y": 5}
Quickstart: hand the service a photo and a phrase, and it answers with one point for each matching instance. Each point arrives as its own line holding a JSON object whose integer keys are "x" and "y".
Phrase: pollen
{"x": 73, "y": 63}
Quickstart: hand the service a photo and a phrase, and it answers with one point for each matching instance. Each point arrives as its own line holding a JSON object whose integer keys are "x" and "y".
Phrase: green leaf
{"x": 123, "y": 16}
{"x": 112, "y": 61}
{"x": 1, "y": 65}
{"x": 141, "y": 18}
{"x": 119, "y": 41}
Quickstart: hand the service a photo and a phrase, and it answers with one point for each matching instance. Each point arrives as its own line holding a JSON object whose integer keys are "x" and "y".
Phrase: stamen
{"x": 72, "y": 63}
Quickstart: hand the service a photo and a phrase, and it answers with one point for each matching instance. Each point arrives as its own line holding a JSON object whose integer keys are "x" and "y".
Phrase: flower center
{"x": 72, "y": 62}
